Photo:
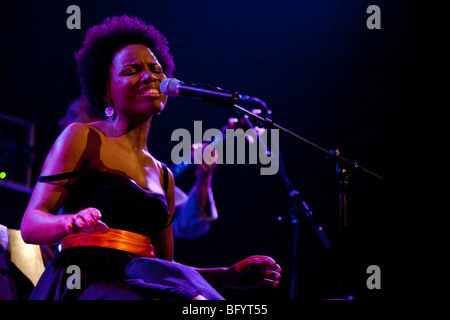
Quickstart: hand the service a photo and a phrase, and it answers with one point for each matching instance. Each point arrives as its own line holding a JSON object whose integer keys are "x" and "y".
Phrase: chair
{"x": 21, "y": 265}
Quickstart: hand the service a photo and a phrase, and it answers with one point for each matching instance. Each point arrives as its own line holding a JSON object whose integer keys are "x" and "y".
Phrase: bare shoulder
{"x": 71, "y": 149}
{"x": 82, "y": 134}
{"x": 75, "y": 131}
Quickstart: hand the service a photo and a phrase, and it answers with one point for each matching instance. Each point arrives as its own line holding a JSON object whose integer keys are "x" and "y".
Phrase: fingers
{"x": 269, "y": 283}
{"x": 89, "y": 214}
{"x": 258, "y": 271}
{"x": 101, "y": 226}
{"x": 272, "y": 273}
{"x": 266, "y": 262}
{"x": 271, "y": 278}
{"x": 86, "y": 217}
{"x": 275, "y": 266}
{"x": 87, "y": 221}
{"x": 205, "y": 156}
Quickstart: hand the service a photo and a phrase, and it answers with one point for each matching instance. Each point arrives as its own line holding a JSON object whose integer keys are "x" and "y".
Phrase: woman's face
{"x": 135, "y": 78}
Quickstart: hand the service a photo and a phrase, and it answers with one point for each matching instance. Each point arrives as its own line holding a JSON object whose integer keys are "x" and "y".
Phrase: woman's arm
{"x": 40, "y": 224}
{"x": 163, "y": 242}
{"x": 254, "y": 271}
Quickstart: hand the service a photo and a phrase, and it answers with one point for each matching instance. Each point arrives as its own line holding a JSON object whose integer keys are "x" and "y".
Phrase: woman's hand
{"x": 206, "y": 161}
{"x": 87, "y": 221}
{"x": 256, "y": 271}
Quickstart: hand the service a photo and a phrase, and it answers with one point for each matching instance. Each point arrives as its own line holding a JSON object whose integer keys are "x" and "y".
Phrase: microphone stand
{"x": 332, "y": 154}
{"x": 344, "y": 169}
{"x": 299, "y": 206}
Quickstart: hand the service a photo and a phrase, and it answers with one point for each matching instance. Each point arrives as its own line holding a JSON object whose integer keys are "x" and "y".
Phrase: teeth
{"x": 150, "y": 91}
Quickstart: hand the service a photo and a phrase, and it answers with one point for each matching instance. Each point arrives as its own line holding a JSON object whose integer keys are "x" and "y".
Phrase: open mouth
{"x": 149, "y": 91}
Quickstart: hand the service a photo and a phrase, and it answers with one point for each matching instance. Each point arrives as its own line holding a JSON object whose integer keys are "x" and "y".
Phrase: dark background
{"x": 376, "y": 95}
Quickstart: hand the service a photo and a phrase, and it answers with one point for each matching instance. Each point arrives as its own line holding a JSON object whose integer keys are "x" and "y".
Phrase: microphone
{"x": 175, "y": 88}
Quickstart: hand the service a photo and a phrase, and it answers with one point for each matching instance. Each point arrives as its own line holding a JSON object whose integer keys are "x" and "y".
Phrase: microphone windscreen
{"x": 169, "y": 87}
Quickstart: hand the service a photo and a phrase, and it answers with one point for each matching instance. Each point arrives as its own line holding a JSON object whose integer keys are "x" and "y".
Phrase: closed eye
{"x": 129, "y": 70}
{"x": 134, "y": 68}
{"x": 154, "y": 67}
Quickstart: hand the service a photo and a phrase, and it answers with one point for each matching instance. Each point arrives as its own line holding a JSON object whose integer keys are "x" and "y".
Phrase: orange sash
{"x": 114, "y": 239}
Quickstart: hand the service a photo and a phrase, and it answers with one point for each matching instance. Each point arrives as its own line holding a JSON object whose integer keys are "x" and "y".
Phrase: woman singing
{"x": 107, "y": 199}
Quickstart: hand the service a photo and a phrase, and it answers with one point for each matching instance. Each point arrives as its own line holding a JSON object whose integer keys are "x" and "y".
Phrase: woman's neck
{"x": 134, "y": 134}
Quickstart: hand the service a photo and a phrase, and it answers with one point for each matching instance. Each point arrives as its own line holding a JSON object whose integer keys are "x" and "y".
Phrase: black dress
{"x": 106, "y": 273}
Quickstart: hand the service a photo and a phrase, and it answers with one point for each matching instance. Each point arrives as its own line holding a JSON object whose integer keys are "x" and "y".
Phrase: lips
{"x": 149, "y": 91}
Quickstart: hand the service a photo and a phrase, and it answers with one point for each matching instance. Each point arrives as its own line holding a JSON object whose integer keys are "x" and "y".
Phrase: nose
{"x": 148, "y": 76}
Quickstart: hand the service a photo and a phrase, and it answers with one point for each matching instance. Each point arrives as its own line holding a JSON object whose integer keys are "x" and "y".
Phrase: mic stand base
{"x": 343, "y": 175}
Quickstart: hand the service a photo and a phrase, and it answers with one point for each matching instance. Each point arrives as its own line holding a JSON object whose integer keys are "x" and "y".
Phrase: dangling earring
{"x": 109, "y": 111}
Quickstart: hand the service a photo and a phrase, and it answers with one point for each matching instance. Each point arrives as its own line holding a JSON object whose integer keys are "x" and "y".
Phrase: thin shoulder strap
{"x": 166, "y": 187}
{"x": 165, "y": 178}
{"x": 61, "y": 176}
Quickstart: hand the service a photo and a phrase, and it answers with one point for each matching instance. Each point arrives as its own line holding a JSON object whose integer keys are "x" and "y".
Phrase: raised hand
{"x": 256, "y": 271}
{"x": 87, "y": 221}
